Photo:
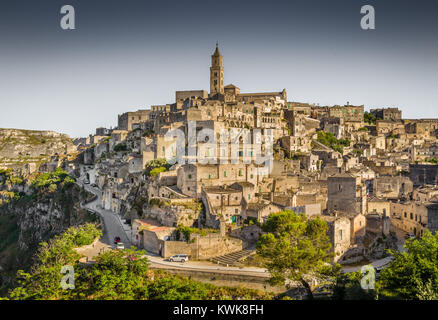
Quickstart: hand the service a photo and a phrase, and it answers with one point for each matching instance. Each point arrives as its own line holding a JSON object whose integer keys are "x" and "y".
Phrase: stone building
{"x": 127, "y": 119}
{"x": 216, "y": 73}
{"x": 387, "y": 113}
{"x": 392, "y": 187}
{"x": 415, "y": 217}
{"x": 378, "y": 224}
{"x": 422, "y": 174}
{"x": 339, "y": 233}
{"x": 346, "y": 194}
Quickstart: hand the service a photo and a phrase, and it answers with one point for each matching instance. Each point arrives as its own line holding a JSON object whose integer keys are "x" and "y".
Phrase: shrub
{"x": 120, "y": 147}
{"x": 156, "y": 171}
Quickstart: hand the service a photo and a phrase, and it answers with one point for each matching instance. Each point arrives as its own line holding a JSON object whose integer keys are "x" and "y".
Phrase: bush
{"x": 156, "y": 171}
{"x": 47, "y": 180}
{"x": 156, "y": 164}
{"x": 120, "y": 147}
{"x": 329, "y": 140}
{"x": 188, "y": 231}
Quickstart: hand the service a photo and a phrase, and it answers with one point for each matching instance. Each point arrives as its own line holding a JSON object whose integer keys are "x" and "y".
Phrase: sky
{"x": 129, "y": 55}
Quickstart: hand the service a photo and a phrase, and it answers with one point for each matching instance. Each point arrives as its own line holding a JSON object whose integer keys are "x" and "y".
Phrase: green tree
{"x": 156, "y": 171}
{"x": 120, "y": 147}
{"x": 157, "y": 163}
{"x": 117, "y": 274}
{"x": 44, "y": 279}
{"x": 295, "y": 248}
{"x": 348, "y": 287}
{"x": 369, "y": 118}
{"x": 414, "y": 272}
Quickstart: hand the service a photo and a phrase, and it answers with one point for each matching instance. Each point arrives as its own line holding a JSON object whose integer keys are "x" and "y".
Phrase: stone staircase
{"x": 233, "y": 258}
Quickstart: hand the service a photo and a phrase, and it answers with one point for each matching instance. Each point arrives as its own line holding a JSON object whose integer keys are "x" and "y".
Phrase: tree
{"x": 44, "y": 279}
{"x": 295, "y": 249}
{"x": 154, "y": 164}
{"x": 413, "y": 274}
{"x": 117, "y": 274}
{"x": 156, "y": 171}
{"x": 120, "y": 147}
{"x": 348, "y": 287}
{"x": 369, "y": 118}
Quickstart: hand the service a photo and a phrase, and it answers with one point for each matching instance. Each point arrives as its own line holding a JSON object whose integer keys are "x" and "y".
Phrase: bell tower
{"x": 216, "y": 73}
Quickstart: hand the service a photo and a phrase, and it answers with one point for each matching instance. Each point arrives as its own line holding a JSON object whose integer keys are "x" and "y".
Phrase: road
{"x": 112, "y": 224}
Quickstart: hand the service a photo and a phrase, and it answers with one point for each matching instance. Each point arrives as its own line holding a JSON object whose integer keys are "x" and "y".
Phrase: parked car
{"x": 94, "y": 185}
{"x": 120, "y": 246}
{"x": 179, "y": 258}
{"x": 116, "y": 240}
{"x": 86, "y": 182}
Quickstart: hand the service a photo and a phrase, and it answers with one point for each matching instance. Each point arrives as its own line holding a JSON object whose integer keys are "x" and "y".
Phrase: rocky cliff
{"x": 27, "y": 219}
{"x": 19, "y": 147}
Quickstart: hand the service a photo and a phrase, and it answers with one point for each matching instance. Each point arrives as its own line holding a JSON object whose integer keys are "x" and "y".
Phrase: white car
{"x": 120, "y": 246}
{"x": 179, "y": 258}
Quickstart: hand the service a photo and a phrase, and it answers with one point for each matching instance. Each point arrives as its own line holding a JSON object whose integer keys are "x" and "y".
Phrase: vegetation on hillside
{"x": 329, "y": 140}
{"x": 413, "y": 274}
{"x": 154, "y": 167}
{"x": 120, "y": 147}
{"x": 183, "y": 232}
{"x": 117, "y": 274}
{"x": 51, "y": 180}
{"x": 23, "y": 224}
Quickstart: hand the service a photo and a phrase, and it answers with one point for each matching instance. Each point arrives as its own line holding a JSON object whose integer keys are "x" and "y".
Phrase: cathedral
{"x": 231, "y": 93}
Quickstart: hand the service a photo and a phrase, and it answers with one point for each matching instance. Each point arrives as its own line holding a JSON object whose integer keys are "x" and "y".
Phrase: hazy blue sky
{"x": 126, "y": 55}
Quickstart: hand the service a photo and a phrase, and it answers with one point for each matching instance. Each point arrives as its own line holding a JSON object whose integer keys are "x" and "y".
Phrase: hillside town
{"x": 199, "y": 175}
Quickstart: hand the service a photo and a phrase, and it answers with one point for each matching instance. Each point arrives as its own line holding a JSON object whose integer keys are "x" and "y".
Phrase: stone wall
{"x": 202, "y": 247}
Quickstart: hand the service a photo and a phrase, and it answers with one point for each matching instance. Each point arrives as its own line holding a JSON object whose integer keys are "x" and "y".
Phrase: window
{"x": 209, "y": 176}
{"x": 190, "y": 176}
{"x": 240, "y": 172}
{"x": 340, "y": 235}
{"x": 405, "y": 215}
{"x": 225, "y": 173}
{"x": 249, "y": 197}
{"x": 411, "y": 216}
